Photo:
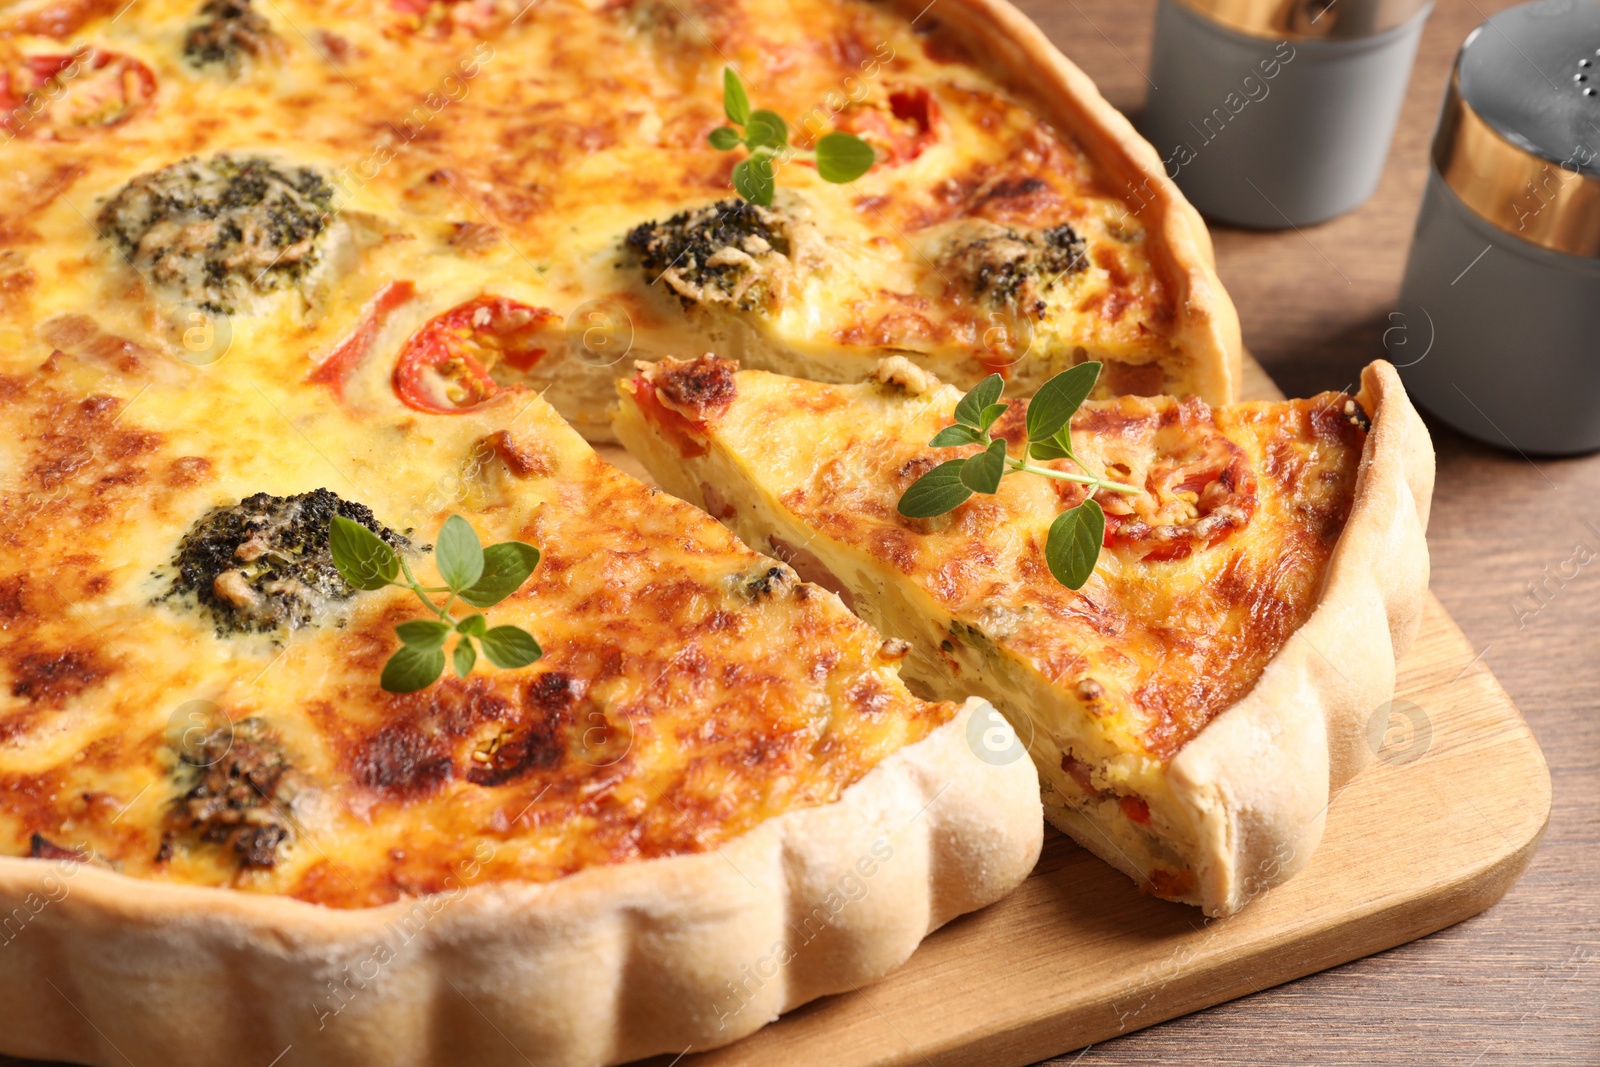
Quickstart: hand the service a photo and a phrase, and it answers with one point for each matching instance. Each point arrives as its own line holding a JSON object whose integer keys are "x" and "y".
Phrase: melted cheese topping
{"x": 687, "y": 691}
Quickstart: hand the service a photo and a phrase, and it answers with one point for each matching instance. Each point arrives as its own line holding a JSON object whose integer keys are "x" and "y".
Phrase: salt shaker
{"x": 1278, "y": 113}
{"x": 1500, "y": 306}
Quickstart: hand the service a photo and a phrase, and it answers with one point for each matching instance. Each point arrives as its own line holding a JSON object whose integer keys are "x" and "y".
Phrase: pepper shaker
{"x": 1500, "y": 304}
{"x": 1277, "y": 113}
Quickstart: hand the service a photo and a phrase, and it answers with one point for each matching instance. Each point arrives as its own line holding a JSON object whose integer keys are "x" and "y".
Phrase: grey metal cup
{"x": 1496, "y": 335}
{"x": 1270, "y": 133}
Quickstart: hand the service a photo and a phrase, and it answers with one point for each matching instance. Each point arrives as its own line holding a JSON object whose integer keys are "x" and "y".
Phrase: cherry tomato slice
{"x": 69, "y": 96}
{"x": 444, "y": 368}
{"x": 348, "y": 354}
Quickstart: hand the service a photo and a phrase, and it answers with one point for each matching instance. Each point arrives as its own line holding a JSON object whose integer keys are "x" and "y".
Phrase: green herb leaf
{"x": 1057, "y": 447}
{"x": 361, "y": 556}
{"x": 464, "y": 657}
{"x": 1073, "y": 545}
{"x": 459, "y": 554}
{"x": 1052, "y": 407}
{"x": 970, "y": 411}
{"x": 753, "y": 180}
{"x": 982, "y": 473}
{"x": 734, "y": 101}
{"x": 951, "y": 436}
{"x": 989, "y": 414}
{"x": 475, "y": 625}
{"x": 410, "y": 669}
{"x": 724, "y": 137}
{"x": 510, "y": 647}
{"x": 423, "y": 633}
{"x": 938, "y": 491}
{"x": 766, "y": 128}
{"x": 505, "y": 567}
{"x": 843, "y": 157}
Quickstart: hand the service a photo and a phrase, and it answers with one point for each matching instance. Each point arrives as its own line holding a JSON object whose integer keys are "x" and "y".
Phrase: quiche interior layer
{"x": 493, "y": 146}
{"x": 1204, "y": 576}
{"x": 689, "y": 688}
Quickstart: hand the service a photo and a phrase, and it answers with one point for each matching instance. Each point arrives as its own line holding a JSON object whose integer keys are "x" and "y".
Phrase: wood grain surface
{"x": 1519, "y": 984}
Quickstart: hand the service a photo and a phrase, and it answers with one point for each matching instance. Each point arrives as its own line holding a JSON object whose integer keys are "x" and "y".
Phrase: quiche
{"x": 1190, "y": 707}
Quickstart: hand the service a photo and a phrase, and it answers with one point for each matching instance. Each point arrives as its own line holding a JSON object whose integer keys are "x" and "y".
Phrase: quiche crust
{"x": 604, "y": 966}
{"x": 1233, "y": 802}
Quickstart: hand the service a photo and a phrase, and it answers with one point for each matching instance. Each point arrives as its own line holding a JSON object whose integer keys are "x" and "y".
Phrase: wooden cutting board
{"x": 1438, "y": 832}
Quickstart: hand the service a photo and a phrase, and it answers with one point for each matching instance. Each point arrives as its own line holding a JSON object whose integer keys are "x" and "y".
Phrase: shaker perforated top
{"x": 1532, "y": 72}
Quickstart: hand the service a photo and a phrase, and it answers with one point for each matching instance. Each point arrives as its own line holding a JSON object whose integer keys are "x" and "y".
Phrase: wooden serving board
{"x": 1436, "y": 833}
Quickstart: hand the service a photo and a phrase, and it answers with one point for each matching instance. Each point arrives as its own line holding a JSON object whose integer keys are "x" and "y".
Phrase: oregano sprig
{"x": 840, "y": 157}
{"x": 1073, "y": 545}
{"x": 480, "y": 577}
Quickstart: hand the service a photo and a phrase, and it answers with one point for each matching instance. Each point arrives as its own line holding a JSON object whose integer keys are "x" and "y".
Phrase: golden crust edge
{"x": 1260, "y": 776}
{"x": 604, "y": 966}
{"x": 1207, "y": 330}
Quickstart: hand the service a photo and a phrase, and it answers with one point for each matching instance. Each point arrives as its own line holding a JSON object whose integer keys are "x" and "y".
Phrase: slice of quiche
{"x": 710, "y": 800}
{"x": 1191, "y": 705}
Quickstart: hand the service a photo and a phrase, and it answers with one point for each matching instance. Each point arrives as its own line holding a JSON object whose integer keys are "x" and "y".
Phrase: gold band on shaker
{"x": 1297, "y": 20}
{"x": 1553, "y": 205}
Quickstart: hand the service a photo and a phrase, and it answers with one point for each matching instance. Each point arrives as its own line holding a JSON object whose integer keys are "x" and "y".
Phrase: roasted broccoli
{"x": 215, "y": 232}
{"x": 1012, "y": 268}
{"x": 729, "y": 252}
{"x": 263, "y": 564}
{"x": 227, "y": 33}
{"x": 236, "y": 794}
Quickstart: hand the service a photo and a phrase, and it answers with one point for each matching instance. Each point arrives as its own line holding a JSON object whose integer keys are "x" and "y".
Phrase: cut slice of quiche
{"x": 1190, "y": 706}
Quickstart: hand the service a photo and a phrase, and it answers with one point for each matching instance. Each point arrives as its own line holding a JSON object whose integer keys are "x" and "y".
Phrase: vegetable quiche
{"x": 1190, "y": 706}
{"x": 297, "y": 298}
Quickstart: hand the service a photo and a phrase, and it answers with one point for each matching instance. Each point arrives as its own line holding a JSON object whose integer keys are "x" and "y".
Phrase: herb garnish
{"x": 840, "y": 157}
{"x": 482, "y": 577}
{"x": 1073, "y": 545}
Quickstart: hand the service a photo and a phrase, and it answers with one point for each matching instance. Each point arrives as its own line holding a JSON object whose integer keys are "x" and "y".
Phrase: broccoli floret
{"x": 239, "y": 775}
{"x": 228, "y": 32}
{"x": 729, "y": 252}
{"x": 1010, "y": 268}
{"x": 212, "y": 232}
{"x": 263, "y": 564}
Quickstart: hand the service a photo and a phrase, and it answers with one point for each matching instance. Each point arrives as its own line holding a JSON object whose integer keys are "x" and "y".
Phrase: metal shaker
{"x": 1500, "y": 304}
{"x": 1278, "y": 113}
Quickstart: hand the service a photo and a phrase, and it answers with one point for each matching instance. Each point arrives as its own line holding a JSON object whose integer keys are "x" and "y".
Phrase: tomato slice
{"x": 68, "y": 96}
{"x": 444, "y": 368}
{"x": 348, "y": 354}
{"x": 686, "y": 436}
{"x": 902, "y": 131}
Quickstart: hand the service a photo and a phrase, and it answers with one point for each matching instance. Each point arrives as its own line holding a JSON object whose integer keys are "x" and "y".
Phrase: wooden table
{"x": 1519, "y": 984}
